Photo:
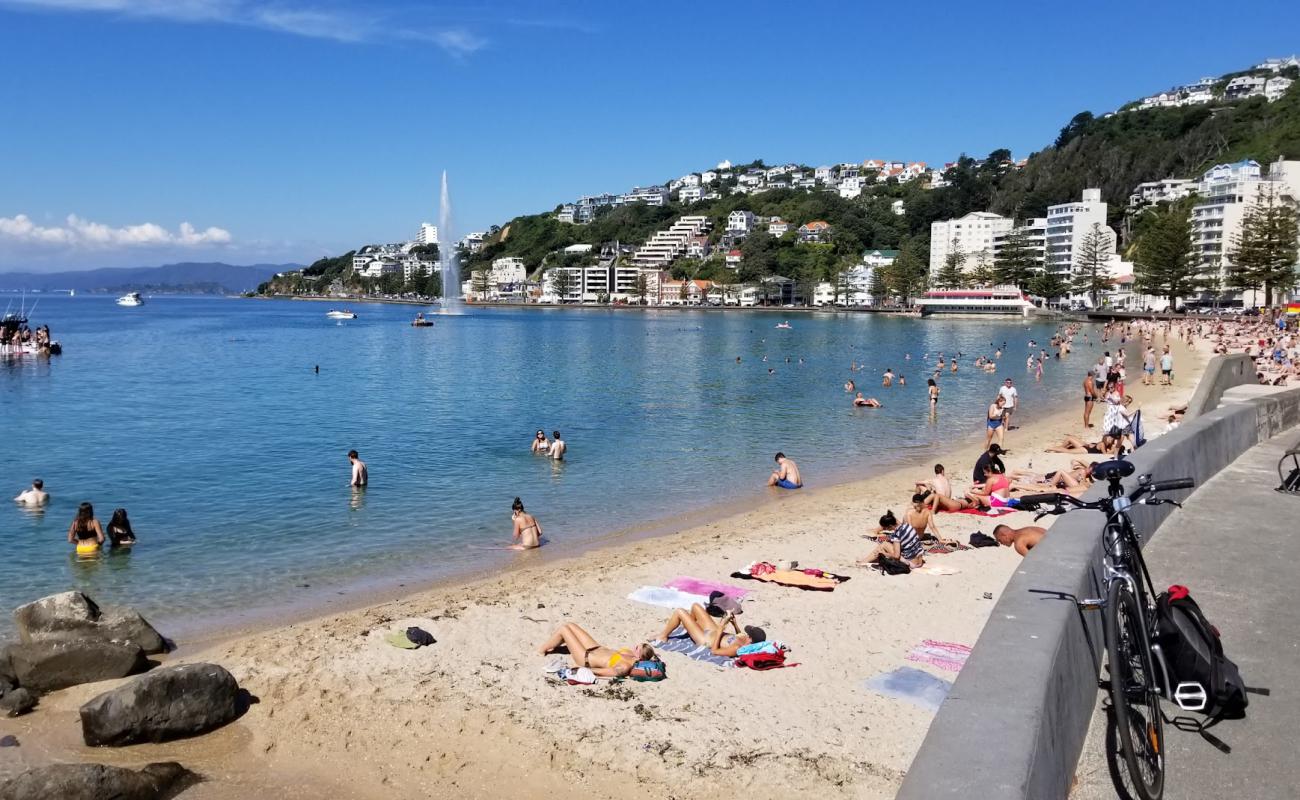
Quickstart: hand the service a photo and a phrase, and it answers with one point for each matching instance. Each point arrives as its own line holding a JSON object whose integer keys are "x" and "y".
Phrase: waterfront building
{"x": 973, "y": 233}
{"x": 1068, "y": 224}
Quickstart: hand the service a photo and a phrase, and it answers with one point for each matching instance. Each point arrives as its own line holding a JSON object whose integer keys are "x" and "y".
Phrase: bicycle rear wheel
{"x": 1134, "y": 699}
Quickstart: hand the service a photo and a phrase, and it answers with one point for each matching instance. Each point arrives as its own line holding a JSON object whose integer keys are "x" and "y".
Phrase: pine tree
{"x": 561, "y": 282}
{"x": 1162, "y": 259}
{"x": 640, "y": 288}
{"x": 950, "y": 274}
{"x": 1091, "y": 260}
{"x": 1048, "y": 285}
{"x": 1016, "y": 262}
{"x": 983, "y": 273}
{"x": 907, "y": 276}
{"x": 1264, "y": 252}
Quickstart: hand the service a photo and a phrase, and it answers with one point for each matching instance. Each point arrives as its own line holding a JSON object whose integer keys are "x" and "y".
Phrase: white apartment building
{"x": 851, "y": 187}
{"x": 879, "y": 258}
{"x": 428, "y": 234}
{"x": 708, "y": 176}
{"x": 690, "y": 194}
{"x": 1244, "y": 86}
{"x": 1226, "y": 192}
{"x": 740, "y": 222}
{"x": 650, "y": 195}
{"x": 568, "y": 214}
{"x": 1035, "y": 231}
{"x": 1276, "y": 87}
{"x": 824, "y": 174}
{"x": 1165, "y": 191}
{"x": 973, "y": 233}
{"x": 668, "y": 245}
{"x": 1068, "y": 224}
{"x": 473, "y": 242}
{"x": 588, "y": 205}
{"x": 690, "y": 180}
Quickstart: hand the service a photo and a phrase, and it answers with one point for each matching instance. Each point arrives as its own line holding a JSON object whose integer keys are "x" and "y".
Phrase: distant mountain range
{"x": 201, "y": 278}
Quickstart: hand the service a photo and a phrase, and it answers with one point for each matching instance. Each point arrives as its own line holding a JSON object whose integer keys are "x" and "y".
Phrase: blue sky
{"x": 137, "y": 132}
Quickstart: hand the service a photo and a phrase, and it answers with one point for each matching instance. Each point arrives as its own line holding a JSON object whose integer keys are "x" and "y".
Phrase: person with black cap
{"x": 989, "y": 457}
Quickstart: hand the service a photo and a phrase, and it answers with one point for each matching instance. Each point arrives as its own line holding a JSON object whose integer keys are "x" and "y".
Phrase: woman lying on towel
{"x": 711, "y": 633}
{"x": 798, "y": 578}
{"x": 605, "y": 662}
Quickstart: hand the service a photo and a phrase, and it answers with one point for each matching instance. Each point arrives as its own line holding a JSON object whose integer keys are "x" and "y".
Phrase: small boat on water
{"x": 130, "y": 299}
{"x": 344, "y": 314}
{"x": 420, "y": 321}
{"x": 16, "y": 340}
{"x": 785, "y": 326}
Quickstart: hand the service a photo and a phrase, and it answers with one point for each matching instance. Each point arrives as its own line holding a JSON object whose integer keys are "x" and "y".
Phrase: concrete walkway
{"x": 1236, "y": 545}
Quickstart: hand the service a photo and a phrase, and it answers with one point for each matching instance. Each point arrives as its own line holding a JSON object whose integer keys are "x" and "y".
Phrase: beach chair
{"x": 1288, "y": 470}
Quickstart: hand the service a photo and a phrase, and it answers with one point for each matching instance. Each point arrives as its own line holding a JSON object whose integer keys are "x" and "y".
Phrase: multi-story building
{"x": 740, "y": 223}
{"x": 691, "y": 194}
{"x": 879, "y": 258}
{"x": 1226, "y": 192}
{"x": 973, "y": 235}
{"x": 824, "y": 174}
{"x": 588, "y": 205}
{"x": 777, "y": 227}
{"x": 1244, "y": 86}
{"x": 650, "y": 195}
{"x": 1067, "y": 226}
{"x": 818, "y": 230}
{"x": 1164, "y": 191}
{"x": 851, "y": 187}
{"x": 666, "y": 246}
{"x": 1034, "y": 230}
{"x": 568, "y": 213}
{"x": 428, "y": 234}
{"x": 473, "y": 242}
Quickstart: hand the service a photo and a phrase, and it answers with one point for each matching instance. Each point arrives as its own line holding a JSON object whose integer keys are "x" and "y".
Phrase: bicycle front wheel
{"x": 1133, "y": 695}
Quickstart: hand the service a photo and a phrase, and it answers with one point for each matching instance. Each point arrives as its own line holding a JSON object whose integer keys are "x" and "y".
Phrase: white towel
{"x": 666, "y": 598}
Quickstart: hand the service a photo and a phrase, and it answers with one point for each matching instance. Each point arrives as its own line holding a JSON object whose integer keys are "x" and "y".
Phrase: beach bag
{"x": 892, "y": 566}
{"x": 761, "y": 661}
{"x": 648, "y": 671}
{"x": 1194, "y": 653}
{"x": 978, "y": 539}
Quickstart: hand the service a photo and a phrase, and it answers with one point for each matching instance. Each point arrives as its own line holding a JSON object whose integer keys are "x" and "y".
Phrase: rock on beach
{"x": 168, "y": 703}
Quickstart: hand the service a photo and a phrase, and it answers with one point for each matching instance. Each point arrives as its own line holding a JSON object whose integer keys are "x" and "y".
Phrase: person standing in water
{"x": 360, "y": 475}
{"x": 934, "y": 393}
{"x": 540, "y": 445}
{"x": 85, "y": 531}
{"x": 528, "y": 531}
{"x": 35, "y": 496}
{"x": 557, "y": 446}
{"x": 119, "y": 529}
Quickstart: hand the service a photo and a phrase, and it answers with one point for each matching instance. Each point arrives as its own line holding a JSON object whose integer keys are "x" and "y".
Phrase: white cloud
{"x": 83, "y": 234}
{"x": 314, "y": 22}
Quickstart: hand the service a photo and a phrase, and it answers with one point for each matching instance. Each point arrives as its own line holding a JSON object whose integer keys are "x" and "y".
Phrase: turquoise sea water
{"x": 205, "y": 418}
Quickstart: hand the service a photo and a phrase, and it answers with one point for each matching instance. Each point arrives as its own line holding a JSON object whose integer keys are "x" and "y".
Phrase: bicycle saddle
{"x": 1113, "y": 470}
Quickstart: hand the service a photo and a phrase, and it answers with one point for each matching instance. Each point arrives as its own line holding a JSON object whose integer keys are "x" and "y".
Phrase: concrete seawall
{"x": 1015, "y": 721}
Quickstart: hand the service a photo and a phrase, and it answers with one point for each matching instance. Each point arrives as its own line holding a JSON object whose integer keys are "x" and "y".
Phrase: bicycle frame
{"x": 1122, "y": 551}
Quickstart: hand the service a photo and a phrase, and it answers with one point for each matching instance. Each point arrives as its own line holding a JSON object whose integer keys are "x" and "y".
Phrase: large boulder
{"x": 47, "y": 666}
{"x": 72, "y": 616}
{"x": 16, "y": 702}
{"x": 99, "y": 782}
{"x": 8, "y": 679}
{"x": 168, "y": 703}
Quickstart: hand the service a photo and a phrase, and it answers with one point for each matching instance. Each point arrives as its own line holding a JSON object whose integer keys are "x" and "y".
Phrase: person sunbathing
{"x": 704, "y": 630}
{"x": 1108, "y": 445}
{"x": 1074, "y": 480}
{"x": 995, "y": 492}
{"x": 584, "y": 651}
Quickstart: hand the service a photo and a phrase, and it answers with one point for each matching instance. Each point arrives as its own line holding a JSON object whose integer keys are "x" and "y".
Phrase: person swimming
{"x": 85, "y": 531}
{"x": 528, "y": 531}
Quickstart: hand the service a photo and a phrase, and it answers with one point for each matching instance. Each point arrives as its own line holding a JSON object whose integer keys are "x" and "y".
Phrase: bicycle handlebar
{"x": 1058, "y": 501}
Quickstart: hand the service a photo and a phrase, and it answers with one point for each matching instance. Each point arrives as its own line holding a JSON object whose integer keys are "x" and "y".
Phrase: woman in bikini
{"x": 708, "y": 632}
{"x": 1073, "y": 444}
{"x": 85, "y": 531}
{"x": 528, "y": 531}
{"x": 584, "y": 651}
{"x": 934, "y": 392}
{"x": 540, "y": 445}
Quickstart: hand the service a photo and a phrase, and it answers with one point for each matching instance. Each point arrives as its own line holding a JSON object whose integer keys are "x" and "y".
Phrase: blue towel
{"x": 915, "y": 686}
{"x": 680, "y": 642}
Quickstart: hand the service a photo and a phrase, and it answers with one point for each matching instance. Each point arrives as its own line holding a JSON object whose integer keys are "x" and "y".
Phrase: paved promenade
{"x": 1236, "y": 545}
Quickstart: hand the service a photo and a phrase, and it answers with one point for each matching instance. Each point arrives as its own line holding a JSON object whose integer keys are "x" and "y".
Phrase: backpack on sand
{"x": 892, "y": 566}
{"x": 1194, "y": 653}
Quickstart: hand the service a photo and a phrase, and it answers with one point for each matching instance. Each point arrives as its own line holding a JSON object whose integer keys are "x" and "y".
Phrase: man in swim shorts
{"x": 786, "y": 475}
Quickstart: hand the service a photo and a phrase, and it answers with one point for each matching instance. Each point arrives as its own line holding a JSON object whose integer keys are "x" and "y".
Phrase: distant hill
{"x": 200, "y": 278}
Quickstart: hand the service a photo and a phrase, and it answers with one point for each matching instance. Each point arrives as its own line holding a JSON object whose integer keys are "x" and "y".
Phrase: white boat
{"x": 785, "y": 326}
{"x": 131, "y": 299}
{"x": 991, "y": 301}
{"x": 344, "y": 314}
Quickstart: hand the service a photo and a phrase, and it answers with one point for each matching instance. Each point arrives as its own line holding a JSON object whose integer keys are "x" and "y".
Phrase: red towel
{"x": 983, "y": 512}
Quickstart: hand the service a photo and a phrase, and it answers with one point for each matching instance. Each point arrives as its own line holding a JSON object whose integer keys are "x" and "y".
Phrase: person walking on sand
{"x": 360, "y": 475}
{"x": 1011, "y": 401}
{"x": 786, "y": 475}
{"x": 1167, "y": 368}
{"x": 558, "y": 447}
{"x": 35, "y": 496}
{"x": 528, "y": 531}
{"x": 993, "y": 423}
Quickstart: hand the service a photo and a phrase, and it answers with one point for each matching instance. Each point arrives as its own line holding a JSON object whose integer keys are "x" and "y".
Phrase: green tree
{"x": 562, "y": 282}
{"x": 1091, "y": 263}
{"x": 982, "y": 274}
{"x": 391, "y": 283}
{"x": 1016, "y": 261}
{"x": 1163, "y": 264}
{"x": 951, "y": 274}
{"x": 908, "y": 275}
{"x": 1264, "y": 253}
{"x": 640, "y": 288}
{"x": 877, "y": 286}
{"x": 1048, "y": 285}
{"x": 481, "y": 281}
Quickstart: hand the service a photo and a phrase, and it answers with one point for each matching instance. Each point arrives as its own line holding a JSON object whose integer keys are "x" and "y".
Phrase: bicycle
{"x": 1139, "y": 675}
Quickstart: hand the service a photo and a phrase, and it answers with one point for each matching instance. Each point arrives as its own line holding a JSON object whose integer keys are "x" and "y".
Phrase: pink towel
{"x": 944, "y": 655}
{"x": 706, "y": 588}
{"x": 983, "y": 512}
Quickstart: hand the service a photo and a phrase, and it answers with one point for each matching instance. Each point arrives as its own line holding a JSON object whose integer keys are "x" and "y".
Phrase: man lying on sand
{"x": 705, "y": 630}
{"x": 1022, "y": 539}
{"x": 584, "y": 651}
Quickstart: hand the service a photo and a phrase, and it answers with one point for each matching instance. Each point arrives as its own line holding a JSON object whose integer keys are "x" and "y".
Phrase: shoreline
{"x": 415, "y": 722}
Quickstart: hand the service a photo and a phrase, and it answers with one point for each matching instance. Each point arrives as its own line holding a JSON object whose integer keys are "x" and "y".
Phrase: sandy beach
{"x": 343, "y": 714}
